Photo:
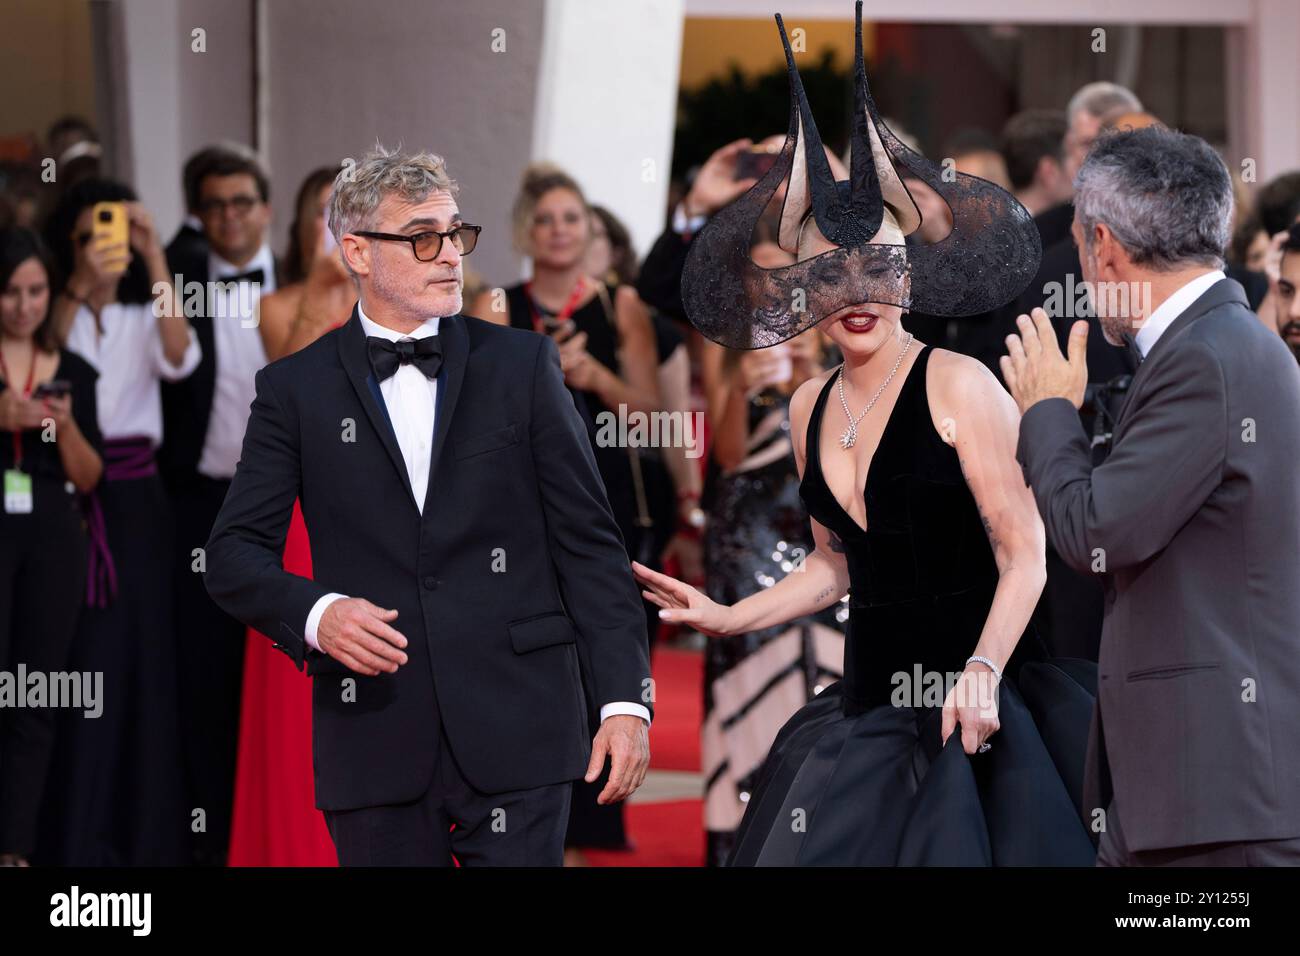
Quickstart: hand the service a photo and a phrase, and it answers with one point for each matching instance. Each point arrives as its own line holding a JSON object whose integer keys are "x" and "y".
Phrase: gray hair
{"x": 1165, "y": 195}
{"x": 359, "y": 190}
{"x": 1103, "y": 97}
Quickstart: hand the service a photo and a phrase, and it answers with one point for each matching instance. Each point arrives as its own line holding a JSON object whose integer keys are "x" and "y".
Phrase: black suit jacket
{"x": 1196, "y": 516}
{"x": 187, "y": 404}
{"x": 513, "y": 587}
{"x": 187, "y": 253}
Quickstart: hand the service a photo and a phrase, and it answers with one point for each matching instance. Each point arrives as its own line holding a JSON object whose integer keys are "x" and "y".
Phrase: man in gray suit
{"x": 1193, "y": 520}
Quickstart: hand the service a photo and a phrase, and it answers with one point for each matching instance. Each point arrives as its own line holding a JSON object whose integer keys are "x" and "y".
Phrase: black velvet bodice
{"x": 922, "y": 574}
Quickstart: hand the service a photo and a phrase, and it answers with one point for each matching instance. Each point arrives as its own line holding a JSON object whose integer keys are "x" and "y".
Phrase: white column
{"x": 606, "y": 103}
{"x": 152, "y": 40}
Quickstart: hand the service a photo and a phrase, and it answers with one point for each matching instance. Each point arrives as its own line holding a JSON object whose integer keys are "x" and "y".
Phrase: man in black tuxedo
{"x": 1192, "y": 522}
{"x": 203, "y": 425}
{"x": 472, "y": 598}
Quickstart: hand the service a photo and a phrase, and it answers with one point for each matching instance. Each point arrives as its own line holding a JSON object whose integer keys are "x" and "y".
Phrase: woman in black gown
{"x": 950, "y": 741}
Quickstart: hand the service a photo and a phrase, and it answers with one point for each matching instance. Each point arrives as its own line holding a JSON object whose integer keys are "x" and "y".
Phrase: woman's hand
{"x": 18, "y": 413}
{"x": 95, "y": 268}
{"x": 580, "y": 369}
{"x": 764, "y": 368}
{"x": 60, "y": 409}
{"x": 973, "y": 703}
{"x": 682, "y": 603}
{"x": 144, "y": 237}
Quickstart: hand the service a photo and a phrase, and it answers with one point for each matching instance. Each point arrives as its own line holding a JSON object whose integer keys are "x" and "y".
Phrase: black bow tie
{"x": 252, "y": 275}
{"x": 387, "y": 356}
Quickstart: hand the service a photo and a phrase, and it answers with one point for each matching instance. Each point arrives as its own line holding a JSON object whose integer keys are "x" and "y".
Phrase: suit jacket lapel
{"x": 352, "y": 352}
{"x": 1223, "y": 291}
{"x": 455, "y": 351}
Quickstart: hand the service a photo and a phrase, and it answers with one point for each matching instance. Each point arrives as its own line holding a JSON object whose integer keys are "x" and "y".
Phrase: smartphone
{"x": 55, "y": 388}
{"x": 754, "y": 163}
{"x": 110, "y": 230}
{"x": 552, "y": 324}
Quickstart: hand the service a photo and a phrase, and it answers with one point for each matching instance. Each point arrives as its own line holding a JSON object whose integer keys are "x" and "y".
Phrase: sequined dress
{"x": 757, "y": 533}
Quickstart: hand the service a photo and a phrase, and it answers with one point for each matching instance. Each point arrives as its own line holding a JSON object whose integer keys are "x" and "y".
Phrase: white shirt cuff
{"x": 683, "y": 225}
{"x": 625, "y": 707}
{"x": 313, "y": 619}
{"x": 189, "y": 361}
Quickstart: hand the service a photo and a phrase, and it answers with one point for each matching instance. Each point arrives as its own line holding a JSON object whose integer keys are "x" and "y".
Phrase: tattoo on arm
{"x": 988, "y": 530}
{"x": 823, "y": 594}
{"x": 988, "y": 526}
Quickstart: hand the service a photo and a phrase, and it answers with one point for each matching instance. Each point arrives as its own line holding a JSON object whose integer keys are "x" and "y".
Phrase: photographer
{"x": 121, "y": 313}
{"x": 46, "y": 392}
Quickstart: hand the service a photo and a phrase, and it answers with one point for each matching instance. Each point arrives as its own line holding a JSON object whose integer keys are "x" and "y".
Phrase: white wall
{"x": 178, "y": 99}
{"x": 421, "y": 73}
{"x": 607, "y": 102}
{"x": 151, "y": 34}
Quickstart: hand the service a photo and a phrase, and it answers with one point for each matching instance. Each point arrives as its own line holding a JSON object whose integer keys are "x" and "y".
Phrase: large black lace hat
{"x": 987, "y": 259}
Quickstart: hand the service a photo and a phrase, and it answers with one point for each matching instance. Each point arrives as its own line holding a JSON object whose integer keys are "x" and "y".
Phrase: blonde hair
{"x": 539, "y": 179}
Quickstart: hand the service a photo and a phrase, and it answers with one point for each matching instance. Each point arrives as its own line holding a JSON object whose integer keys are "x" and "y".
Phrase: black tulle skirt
{"x": 877, "y": 788}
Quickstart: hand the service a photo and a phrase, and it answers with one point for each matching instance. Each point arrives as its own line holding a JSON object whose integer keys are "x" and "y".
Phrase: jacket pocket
{"x": 487, "y": 441}
{"x": 1172, "y": 670}
{"x": 545, "y": 630}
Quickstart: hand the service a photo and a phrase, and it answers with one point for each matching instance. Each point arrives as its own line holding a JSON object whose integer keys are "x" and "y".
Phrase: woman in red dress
{"x": 276, "y": 822}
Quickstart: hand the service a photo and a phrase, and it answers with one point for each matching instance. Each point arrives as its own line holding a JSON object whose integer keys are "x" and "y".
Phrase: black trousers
{"x": 210, "y": 656}
{"x": 115, "y": 796}
{"x": 1114, "y": 851}
{"x": 516, "y": 828}
{"x": 42, "y": 583}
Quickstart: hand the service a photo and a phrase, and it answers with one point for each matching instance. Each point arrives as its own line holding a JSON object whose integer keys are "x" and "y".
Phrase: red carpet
{"x": 664, "y": 834}
{"x": 669, "y": 833}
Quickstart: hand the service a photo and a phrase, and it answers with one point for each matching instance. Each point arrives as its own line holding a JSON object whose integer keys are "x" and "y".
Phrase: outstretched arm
{"x": 817, "y": 583}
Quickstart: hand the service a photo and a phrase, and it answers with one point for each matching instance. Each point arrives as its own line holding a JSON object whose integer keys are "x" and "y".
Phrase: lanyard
{"x": 564, "y": 313}
{"x": 27, "y": 393}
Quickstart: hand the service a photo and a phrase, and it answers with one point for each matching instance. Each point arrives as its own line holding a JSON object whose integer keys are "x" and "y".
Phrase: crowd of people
{"x": 127, "y": 381}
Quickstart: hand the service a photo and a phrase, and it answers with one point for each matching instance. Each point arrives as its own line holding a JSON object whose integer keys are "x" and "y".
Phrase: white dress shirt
{"x": 411, "y": 399}
{"x": 1172, "y": 308}
{"x": 130, "y": 361}
{"x": 239, "y": 355}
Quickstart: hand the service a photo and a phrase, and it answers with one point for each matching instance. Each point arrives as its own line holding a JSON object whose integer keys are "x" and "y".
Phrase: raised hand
{"x": 1035, "y": 369}
{"x": 715, "y": 184}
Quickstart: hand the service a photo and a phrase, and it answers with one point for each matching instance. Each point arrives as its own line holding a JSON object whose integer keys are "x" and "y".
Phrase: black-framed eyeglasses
{"x": 425, "y": 246}
{"x": 242, "y": 205}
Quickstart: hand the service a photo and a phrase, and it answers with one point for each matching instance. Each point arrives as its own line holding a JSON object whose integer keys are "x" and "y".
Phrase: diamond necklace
{"x": 850, "y": 436}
